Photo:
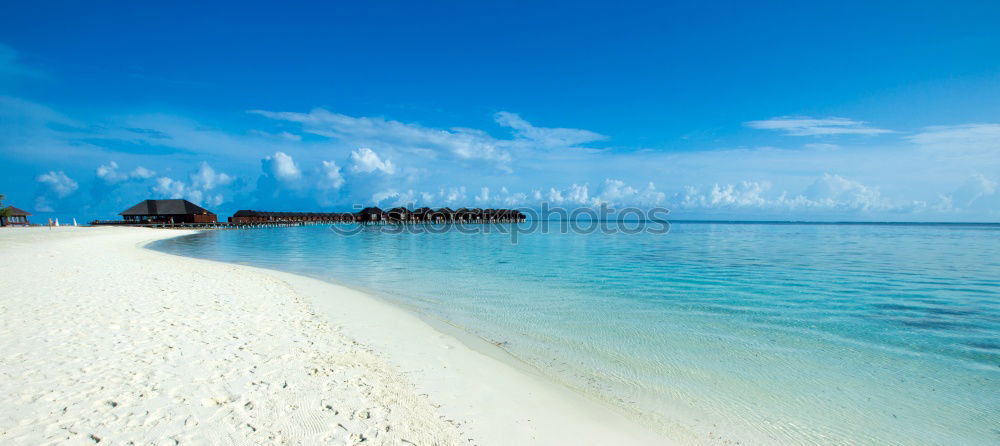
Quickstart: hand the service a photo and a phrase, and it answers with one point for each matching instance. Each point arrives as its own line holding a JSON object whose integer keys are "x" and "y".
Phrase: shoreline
{"x": 484, "y": 399}
{"x": 476, "y": 359}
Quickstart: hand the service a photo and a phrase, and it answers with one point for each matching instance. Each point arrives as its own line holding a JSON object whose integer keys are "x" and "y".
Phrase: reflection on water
{"x": 774, "y": 333}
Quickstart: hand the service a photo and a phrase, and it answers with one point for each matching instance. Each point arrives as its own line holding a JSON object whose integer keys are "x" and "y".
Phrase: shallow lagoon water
{"x": 791, "y": 333}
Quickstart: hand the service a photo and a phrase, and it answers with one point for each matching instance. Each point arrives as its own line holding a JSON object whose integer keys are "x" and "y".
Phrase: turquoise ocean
{"x": 758, "y": 333}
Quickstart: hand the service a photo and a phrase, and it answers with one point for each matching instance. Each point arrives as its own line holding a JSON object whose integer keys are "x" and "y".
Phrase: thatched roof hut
{"x": 15, "y": 217}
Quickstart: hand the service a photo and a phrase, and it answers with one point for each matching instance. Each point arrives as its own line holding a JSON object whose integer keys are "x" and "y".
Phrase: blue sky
{"x": 775, "y": 110}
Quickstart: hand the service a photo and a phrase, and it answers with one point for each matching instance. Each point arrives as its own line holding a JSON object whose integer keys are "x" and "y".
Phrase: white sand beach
{"x": 104, "y": 341}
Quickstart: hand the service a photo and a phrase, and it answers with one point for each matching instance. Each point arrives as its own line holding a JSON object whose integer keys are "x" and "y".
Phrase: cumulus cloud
{"x": 379, "y": 197}
{"x": 111, "y": 174}
{"x": 806, "y": 126}
{"x": 58, "y": 183}
{"x": 171, "y": 188}
{"x": 206, "y": 178}
{"x": 54, "y": 186}
{"x": 835, "y": 190}
{"x": 743, "y": 194}
{"x": 330, "y": 176}
{"x": 142, "y": 173}
{"x": 616, "y": 192}
{"x": 453, "y": 194}
{"x": 365, "y": 160}
{"x": 826, "y": 193}
{"x": 202, "y": 189}
{"x": 613, "y": 192}
{"x": 972, "y": 191}
{"x": 282, "y": 167}
{"x": 484, "y": 195}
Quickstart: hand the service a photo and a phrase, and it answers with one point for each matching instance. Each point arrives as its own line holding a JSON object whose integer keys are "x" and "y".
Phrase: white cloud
{"x": 965, "y": 134}
{"x": 826, "y": 193}
{"x": 744, "y": 194}
{"x": 58, "y": 183}
{"x": 206, "y": 178}
{"x": 616, "y": 192}
{"x": 453, "y": 194}
{"x": 806, "y": 126}
{"x": 555, "y": 195}
{"x": 142, "y": 173}
{"x": 378, "y": 197}
{"x": 547, "y": 137}
{"x": 365, "y": 160}
{"x": 460, "y": 143}
{"x": 202, "y": 190}
{"x": 330, "y": 176}
{"x": 286, "y": 136}
{"x": 282, "y": 167}
{"x": 375, "y": 131}
{"x": 577, "y": 194}
{"x": 170, "y": 188}
{"x": 978, "y": 143}
{"x": 110, "y": 173}
{"x": 484, "y": 195}
{"x": 936, "y": 165}
{"x": 837, "y": 191}
{"x": 974, "y": 189}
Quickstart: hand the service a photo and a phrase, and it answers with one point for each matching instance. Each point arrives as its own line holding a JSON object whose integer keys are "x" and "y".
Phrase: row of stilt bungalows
{"x": 398, "y": 215}
{"x": 246, "y": 216}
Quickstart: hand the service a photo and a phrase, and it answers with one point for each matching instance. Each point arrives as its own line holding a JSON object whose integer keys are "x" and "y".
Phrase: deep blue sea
{"x": 761, "y": 333}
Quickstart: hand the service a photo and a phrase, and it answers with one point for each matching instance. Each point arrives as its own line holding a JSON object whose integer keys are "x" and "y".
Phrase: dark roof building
{"x": 371, "y": 214}
{"x": 17, "y": 217}
{"x": 176, "y": 211}
{"x": 399, "y": 214}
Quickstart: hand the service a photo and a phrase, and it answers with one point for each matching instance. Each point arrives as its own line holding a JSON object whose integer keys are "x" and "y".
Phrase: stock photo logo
{"x": 543, "y": 219}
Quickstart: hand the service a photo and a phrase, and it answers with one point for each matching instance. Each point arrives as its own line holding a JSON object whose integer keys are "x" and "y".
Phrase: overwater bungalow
{"x": 399, "y": 215}
{"x": 446, "y": 214}
{"x": 16, "y": 217}
{"x": 251, "y": 216}
{"x": 422, "y": 215}
{"x": 372, "y": 215}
